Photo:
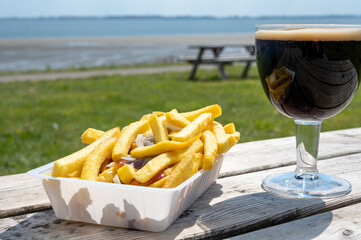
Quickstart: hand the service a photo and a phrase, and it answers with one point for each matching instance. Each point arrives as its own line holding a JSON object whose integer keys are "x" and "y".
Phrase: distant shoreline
{"x": 58, "y": 53}
{"x": 178, "y": 38}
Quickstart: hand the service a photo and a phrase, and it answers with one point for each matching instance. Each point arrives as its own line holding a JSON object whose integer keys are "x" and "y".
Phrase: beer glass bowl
{"x": 309, "y": 73}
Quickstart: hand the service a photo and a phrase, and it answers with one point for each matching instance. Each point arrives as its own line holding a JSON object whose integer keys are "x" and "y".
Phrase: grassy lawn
{"x": 43, "y": 121}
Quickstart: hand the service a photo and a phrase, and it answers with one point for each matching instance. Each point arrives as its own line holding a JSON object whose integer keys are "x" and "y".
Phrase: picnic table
{"x": 234, "y": 206}
{"x": 220, "y": 59}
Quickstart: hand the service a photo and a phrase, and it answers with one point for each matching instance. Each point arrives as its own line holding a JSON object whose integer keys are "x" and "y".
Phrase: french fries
{"x": 174, "y": 118}
{"x": 126, "y": 174}
{"x": 221, "y": 137}
{"x": 74, "y": 162}
{"x": 162, "y": 149}
{"x": 229, "y": 128}
{"x": 108, "y": 174}
{"x": 182, "y": 172}
{"x": 127, "y": 137}
{"x": 91, "y": 135}
{"x": 215, "y": 110}
{"x": 160, "y": 133}
{"x": 95, "y": 159}
{"x": 194, "y": 128}
{"x": 210, "y": 150}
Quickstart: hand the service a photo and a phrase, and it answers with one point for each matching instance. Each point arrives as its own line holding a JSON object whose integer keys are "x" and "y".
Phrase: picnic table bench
{"x": 234, "y": 206}
{"x": 220, "y": 59}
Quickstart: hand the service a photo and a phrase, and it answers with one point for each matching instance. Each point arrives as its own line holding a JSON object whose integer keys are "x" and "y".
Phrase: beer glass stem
{"x": 307, "y": 141}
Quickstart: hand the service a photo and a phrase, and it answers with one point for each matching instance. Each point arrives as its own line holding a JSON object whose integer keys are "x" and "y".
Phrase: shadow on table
{"x": 247, "y": 213}
{"x": 231, "y": 217}
{"x": 45, "y": 225}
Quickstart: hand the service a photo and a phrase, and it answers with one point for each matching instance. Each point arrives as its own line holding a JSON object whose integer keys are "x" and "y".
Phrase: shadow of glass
{"x": 305, "y": 229}
{"x": 256, "y": 211}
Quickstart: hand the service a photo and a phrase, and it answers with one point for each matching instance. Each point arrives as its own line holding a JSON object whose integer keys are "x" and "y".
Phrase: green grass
{"x": 43, "y": 121}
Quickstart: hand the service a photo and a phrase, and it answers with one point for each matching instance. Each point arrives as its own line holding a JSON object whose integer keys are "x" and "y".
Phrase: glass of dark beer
{"x": 309, "y": 73}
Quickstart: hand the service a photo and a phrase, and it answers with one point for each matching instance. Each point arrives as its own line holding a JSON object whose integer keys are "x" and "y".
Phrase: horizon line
{"x": 179, "y": 17}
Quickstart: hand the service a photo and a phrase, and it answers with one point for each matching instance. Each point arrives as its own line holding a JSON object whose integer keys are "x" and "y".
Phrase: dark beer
{"x": 309, "y": 74}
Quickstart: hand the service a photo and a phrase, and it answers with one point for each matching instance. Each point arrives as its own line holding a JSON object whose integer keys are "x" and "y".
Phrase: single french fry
{"x": 169, "y": 170}
{"x": 127, "y": 137}
{"x": 158, "y": 113}
{"x": 145, "y": 117}
{"x": 75, "y": 161}
{"x": 96, "y": 158}
{"x": 215, "y": 110}
{"x": 198, "y": 159}
{"x": 154, "y": 179}
{"x": 174, "y": 118}
{"x": 232, "y": 139}
{"x": 160, "y": 133}
{"x": 195, "y": 168}
{"x": 210, "y": 150}
{"x": 77, "y": 173}
{"x": 91, "y": 135}
{"x": 155, "y": 165}
{"x": 108, "y": 175}
{"x": 126, "y": 174}
{"x": 237, "y": 135}
{"x": 194, "y": 128}
{"x": 161, "y": 147}
{"x": 221, "y": 137}
{"x": 103, "y": 167}
{"x": 196, "y": 147}
{"x": 229, "y": 128}
{"x": 159, "y": 183}
{"x": 172, "y": 133}
{"x": 183, "y": 171}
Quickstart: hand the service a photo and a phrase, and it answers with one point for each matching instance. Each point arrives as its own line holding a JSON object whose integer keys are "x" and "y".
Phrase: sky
{"x": 217, "y": 8}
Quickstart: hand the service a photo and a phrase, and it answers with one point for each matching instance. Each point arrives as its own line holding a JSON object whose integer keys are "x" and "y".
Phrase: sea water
{"x": 59, "y": 45}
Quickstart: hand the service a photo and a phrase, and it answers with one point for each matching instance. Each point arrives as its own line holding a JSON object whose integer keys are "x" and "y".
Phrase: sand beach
{"x": 56, "y": 53}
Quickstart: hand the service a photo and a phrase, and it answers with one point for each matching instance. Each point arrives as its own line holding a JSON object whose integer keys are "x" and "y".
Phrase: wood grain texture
{"x": 343, "y": 223}
{"x": 22, "y": 193}
{"x": 232, "y": 206}
{"x": 272, "y": 153}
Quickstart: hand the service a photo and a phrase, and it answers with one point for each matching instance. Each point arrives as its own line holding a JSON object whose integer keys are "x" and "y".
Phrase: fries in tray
{"x": 160, "y": 150}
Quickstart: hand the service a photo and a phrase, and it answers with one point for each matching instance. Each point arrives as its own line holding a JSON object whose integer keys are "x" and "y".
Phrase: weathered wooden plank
{"x": 343, "y": 223}
{"x": 232, "y": 206}
{"x": 22, "y": 193}
{"x": 266, "y": 154}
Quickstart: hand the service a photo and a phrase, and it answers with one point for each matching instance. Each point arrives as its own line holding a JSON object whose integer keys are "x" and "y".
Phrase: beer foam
{"x": 310, "y": 34}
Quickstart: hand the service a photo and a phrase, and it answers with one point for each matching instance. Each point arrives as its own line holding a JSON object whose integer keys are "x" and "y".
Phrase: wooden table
{"x": 219, "y": 59}
{"x": 234, "y": 206}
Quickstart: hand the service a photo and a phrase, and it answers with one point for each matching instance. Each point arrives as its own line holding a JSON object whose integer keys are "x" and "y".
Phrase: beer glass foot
{"x": 306, "y": 186}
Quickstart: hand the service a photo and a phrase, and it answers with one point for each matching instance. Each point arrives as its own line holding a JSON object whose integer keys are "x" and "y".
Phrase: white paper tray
{"x": 119, "y": 205}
